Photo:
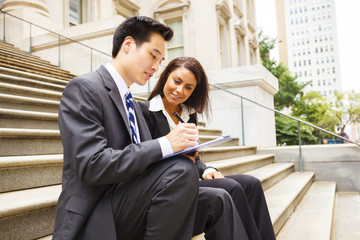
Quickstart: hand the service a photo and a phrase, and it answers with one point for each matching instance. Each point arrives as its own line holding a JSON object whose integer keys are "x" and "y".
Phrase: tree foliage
{"x": 310, "y": 107}
{"x": 346, "y": 109}
{"x": 289, "y": 89}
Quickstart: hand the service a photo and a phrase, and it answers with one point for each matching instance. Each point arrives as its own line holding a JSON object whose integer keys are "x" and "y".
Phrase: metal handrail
{"x": 217, "y": 87}
{"x": 50, "y": 31}
{"x": 284, "y": 114}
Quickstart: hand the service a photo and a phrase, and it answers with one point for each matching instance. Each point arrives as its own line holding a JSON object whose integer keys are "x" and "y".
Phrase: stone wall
{"x": 330, "y": 162}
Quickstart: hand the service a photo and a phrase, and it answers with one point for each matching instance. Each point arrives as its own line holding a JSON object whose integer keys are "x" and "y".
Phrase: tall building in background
{"x": 309, "y": 37}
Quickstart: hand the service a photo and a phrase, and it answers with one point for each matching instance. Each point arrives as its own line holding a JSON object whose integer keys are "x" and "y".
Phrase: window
{"x": 75, "y": 13}
{"x": 176, "y": 45}
{"x": 173, "y": 15}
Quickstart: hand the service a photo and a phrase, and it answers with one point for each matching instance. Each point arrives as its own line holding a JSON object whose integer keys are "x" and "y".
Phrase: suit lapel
{"x": 142, "y": 125}
{"x": 162, "y": 121}
{"x": 114, "y": 94}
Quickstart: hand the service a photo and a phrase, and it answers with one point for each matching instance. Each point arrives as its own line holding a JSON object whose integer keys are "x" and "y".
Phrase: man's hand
{"x": 184, "y": 135}
{"x": 214, "y": 175}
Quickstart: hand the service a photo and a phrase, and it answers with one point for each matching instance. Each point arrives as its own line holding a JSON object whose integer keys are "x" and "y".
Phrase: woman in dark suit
{"x": 183, "y": 88}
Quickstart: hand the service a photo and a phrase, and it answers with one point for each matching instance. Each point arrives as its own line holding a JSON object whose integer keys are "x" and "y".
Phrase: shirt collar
{"x": 156, "y": 104}
{"x": 119, "y": 81}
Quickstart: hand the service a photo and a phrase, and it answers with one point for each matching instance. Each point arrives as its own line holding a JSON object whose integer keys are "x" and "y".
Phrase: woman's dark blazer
{"x": 159, "y": 126}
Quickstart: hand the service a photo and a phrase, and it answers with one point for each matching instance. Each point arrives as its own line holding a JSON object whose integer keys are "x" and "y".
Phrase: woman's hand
{"x": 192, "y": 156}
{"x": 214, "y": 175}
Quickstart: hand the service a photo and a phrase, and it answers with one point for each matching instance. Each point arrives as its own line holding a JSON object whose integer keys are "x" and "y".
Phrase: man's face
{"x": 144, "y": 60}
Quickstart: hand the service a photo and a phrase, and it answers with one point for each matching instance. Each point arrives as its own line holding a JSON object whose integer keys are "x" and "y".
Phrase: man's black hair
{"x": 140, "y": 28}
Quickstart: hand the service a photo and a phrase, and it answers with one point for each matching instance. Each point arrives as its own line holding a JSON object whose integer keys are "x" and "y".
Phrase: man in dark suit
{"x": 113, "y": 184}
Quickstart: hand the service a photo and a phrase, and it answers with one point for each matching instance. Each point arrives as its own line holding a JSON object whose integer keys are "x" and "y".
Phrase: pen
{"x": 182, "y": 121}
{"x": 178, "y": 117}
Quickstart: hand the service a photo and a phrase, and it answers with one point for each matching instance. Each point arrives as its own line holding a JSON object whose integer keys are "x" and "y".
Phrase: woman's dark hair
{"x": 140, "y": 28}
{"x": 199, "y": 99}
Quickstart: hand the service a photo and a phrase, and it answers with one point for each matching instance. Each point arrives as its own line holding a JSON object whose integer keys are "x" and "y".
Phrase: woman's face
{"x": 179, "y": 86}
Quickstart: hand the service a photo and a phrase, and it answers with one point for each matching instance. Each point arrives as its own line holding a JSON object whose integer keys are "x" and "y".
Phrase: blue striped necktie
{"x": 130, "y": 109}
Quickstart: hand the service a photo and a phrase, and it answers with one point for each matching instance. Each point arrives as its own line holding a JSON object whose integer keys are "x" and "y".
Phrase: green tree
{"x": 289, "y": 89}
{"x": 288, "y": 95}
{"x": 315, "y": 109}
{"x": 346, "y": 108}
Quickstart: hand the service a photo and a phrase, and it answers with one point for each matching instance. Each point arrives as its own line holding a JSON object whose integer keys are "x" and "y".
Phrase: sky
{"x": 348, "y": 29}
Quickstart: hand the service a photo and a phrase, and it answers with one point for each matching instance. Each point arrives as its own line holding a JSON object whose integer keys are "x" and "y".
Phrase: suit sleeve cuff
{"x": 208, "y": 170}
{"x": 165, "y": 145}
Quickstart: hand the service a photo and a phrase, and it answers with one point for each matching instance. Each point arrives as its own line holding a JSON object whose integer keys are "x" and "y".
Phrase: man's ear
{"x": 128, "y": 44}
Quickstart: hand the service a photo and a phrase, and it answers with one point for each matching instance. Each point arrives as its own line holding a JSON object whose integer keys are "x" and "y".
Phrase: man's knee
{"x": 186, "y": 168}
{"x": 184, "y": 171}
{"x": 213, "y": 198}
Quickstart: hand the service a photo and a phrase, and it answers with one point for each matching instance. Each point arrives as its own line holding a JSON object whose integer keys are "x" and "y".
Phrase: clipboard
{"x": 214, "y": 142}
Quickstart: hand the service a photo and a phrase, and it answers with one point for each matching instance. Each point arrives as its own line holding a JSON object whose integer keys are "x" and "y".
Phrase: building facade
{"x": 309, "y": 43}
{"x": 220, "y": 33}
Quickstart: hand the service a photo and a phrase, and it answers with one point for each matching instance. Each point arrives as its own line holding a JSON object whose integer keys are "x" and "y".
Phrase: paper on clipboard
{"x": 214, "y": 142}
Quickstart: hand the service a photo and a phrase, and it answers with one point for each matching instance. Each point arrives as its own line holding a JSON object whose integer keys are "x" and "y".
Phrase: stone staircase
{"x": 31, "y": 164}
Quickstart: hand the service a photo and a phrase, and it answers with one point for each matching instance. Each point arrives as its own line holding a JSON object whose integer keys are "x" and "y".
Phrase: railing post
{"x": 59, "y": 52}
{"x": 30, "y": 43}
{"x": 90, "y": 59}
{"x": 4, "y": 27}
{"x": 242, "y": 123}
{"x": 300, "y": 151}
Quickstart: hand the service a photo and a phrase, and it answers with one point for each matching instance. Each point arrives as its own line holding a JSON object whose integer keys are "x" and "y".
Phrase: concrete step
{"x": 12, "y": 118}
{"x": 207, "y": 131}
{"x": 271, "y": 174}
{"x": 28, "y": 65}
{"x": 206, "y": 138}
{"x": 9, "y": 46}
{"x": 283, "y": 197}
{"x": 242, "y": 164}
{"x": 42, "y": 78}
{"x": 14, "y": 53}
{"x": 49, "y": 237}
{"x": 5, "y": 78}
{"x": 23, "y": 172}
{"x": 313, "y": 216}
{"x": 17, "y": 142}
{"x": 28, "y": 214}
{"x": 9, "y": 101}
{"x": 29, "y": 70}
{"x": 28, "y": 59}
{"x": 346, "y": 219}
{"x": 24, "y": 91}
{"x": 221, "y": 153}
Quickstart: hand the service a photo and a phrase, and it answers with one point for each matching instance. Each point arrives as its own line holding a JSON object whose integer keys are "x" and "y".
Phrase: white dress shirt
{"x": 165, "y": 145}
{"x": 156, "y": 104}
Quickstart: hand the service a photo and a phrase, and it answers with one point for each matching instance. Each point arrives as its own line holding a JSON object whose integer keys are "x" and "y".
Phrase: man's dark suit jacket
{"x": 159, "y": 127}
{"x": 97, "y": 151}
